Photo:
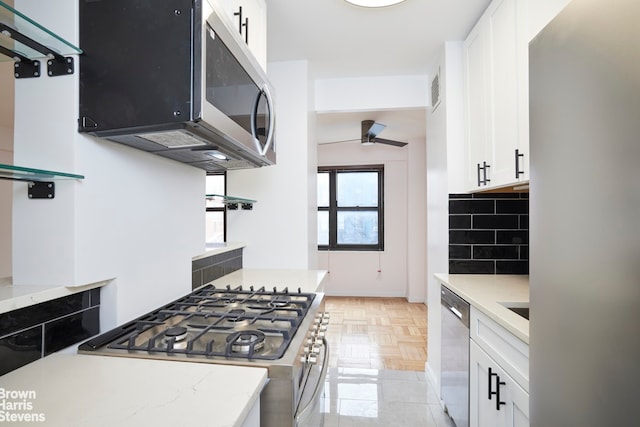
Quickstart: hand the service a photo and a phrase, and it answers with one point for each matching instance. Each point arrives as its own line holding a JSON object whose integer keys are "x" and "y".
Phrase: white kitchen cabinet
{"x": 250, "y": 19}
{"x": 495, "y": 399}
{"x": 498, "y": 361}
{"x": 496, "y": 97}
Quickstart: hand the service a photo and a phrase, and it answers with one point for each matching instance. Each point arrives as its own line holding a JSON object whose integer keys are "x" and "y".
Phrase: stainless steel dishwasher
{"x": 454, "y": 385}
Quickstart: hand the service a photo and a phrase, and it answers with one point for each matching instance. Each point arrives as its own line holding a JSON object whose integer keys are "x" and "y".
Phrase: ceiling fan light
{"x": 374, "y": 3}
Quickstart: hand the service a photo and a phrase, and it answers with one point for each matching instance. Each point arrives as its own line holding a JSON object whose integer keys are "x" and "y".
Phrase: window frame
{"x": 333, "y": 208}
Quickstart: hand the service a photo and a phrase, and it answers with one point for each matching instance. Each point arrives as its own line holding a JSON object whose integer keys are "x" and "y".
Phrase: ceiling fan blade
{"x": 389, "y": 142}
{"x": 338, "y": 142}
{"x": 371, "y": 128}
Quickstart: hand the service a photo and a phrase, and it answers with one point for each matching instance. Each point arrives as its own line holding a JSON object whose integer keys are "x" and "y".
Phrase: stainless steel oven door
{"x": 311, "y": 409}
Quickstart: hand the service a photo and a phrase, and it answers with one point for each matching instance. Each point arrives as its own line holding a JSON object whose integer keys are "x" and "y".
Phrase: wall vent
{"x": 435, "y": 91}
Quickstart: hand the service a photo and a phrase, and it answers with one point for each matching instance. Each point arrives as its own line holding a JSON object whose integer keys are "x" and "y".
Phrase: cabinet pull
{"x": 239, "y": 15}
{"x": 497, "y": 392}
{"x": 484, "y": 179}
{"x": 498, "y": 401}
{"x": 246, "y": 30}
{"x": 490, "y": 377}
{"x": 486, "y": 166}
{"x": 518, "y": 171}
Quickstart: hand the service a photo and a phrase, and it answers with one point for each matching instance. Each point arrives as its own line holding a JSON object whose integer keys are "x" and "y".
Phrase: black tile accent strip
{"x": 71, "y": 329}
{"x": 20, "y": 348}
{"x": 30, "y": 333}
{"x": 489, "y": 233}
{"x": 204, "y": 270}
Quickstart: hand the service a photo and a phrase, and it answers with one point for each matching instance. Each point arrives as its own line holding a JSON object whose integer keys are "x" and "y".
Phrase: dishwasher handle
{"x": 454, "y": 304}
{"x": 456, "y": 312}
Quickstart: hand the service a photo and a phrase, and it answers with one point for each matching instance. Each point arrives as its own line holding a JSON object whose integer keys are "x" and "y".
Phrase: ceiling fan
{"x": 369, "y": 135}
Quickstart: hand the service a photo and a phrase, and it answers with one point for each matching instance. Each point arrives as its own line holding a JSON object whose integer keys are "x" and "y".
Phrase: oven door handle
{"x": 323, "y": 376}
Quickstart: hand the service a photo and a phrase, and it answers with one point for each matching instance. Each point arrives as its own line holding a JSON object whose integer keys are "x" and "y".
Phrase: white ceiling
{"x": 341, "y": 40}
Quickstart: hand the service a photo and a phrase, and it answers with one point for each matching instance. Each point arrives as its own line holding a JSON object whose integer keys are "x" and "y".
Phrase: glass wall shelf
{"x": 18, "y": 173}
{"x": 232, "y": 202}
{"x": 24, "y": 41}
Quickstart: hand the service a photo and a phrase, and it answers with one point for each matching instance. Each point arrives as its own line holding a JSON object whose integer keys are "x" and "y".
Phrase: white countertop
{"x": 13, "y": 297}
{"x": 306, "y": 280}
{"x": 93, "y": 391}
{"x": 486, "y": 291}
{"x": 219, "y": 248}
{"x": 89, "y": 390}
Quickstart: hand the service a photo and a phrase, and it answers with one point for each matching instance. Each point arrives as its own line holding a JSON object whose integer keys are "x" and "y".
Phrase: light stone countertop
{"x": 219, "y": 248}
{"x": 75, "y": 390}
{"x": 485, "y": 292}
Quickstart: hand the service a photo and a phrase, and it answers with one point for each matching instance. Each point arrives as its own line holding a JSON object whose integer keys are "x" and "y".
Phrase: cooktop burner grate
{"x": 211, "y": 322}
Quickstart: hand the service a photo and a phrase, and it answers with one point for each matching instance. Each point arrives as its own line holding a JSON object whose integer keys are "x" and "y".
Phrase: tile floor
{"x": 376, "y": 371}
{"x": 355, "y": 397}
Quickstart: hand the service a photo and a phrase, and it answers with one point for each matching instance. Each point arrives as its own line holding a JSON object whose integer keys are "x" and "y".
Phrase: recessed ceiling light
{"x": 374, "y": 3}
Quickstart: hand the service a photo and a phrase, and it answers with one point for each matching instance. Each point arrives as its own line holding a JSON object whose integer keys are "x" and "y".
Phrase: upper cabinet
{"x": 250, "y": 18}
{"x": 496, "y": 97}
{"x": 496, "y": 91}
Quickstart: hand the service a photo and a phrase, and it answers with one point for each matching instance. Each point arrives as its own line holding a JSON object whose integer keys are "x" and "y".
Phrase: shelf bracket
{"x": 57, "y": 65}
{"x": 41, "y": 190}
{"x": 60, "y": 66}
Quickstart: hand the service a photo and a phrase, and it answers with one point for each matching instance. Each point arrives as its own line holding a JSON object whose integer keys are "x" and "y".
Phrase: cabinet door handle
{"x": 246, "y": 30}
{"x": 498, "y": 401}
{"x": 490, "y": 377}
{"x": 497, "y": 392}
{"x": 486, "y": 166}
{"x": 239, "y": 15}
{"x": 518, "y": 171}
{"x": 484, "y": 179}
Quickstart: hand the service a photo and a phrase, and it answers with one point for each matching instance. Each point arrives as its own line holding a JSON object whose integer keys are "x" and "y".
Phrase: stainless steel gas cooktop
{"x": 211, "y": 322}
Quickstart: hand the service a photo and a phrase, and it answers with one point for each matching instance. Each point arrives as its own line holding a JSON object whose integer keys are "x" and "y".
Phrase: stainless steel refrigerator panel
{"x": 584, "y": 216}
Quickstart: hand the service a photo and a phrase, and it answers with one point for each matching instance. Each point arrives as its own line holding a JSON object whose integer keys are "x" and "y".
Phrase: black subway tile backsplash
{"x": 512, "y": 206}
{"x": 471, "y": 267}
{"x": 496, "y": 222}
{"x": 459, "y": 251}
{"x": 495, "y": 252}
{"x": 512, "y": 267}
{"x": 471, "y": 206}
{"x": 462, "y": 237}
{"x": 57, "y": 324}
{"x": 459, "y": 222}
{"x": 489, "y": 233}
{"x": 512, "y": 237}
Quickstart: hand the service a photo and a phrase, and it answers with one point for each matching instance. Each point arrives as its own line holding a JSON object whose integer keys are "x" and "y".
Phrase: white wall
{"x": 281, "y": 229}
{"x": 371, "y": 93}
{"x": 356, "y": 273}
{"x": 136, "y": 218}
{"x": 402, "y": 263}
{"x": 444, "y": 138}
{"x": 6, "y": 157}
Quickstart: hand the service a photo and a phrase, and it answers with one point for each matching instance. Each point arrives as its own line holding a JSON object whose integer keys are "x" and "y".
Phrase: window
{"x": 216, "y": 230}
{"x": 350, "y": 208}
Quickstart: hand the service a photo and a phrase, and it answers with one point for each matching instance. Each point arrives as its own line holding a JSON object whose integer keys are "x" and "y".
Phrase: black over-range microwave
{"x": 173, "y": 77}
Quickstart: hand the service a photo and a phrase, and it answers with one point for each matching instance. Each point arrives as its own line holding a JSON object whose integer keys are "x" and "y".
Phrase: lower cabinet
{"x": 495, "y": 399}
